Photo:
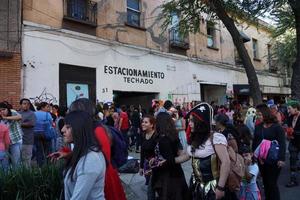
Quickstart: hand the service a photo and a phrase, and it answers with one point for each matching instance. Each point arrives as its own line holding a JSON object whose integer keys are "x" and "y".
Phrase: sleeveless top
{"x": 205, "y": 161}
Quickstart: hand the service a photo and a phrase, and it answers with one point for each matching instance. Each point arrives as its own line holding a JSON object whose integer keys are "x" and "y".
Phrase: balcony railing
{"x": 177, "y": 40}
{"x": 273, "y": 69}
{"x": 83, "y": 11}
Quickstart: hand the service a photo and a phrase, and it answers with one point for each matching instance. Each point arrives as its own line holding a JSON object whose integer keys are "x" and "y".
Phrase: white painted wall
{"x": 45, "y": 51}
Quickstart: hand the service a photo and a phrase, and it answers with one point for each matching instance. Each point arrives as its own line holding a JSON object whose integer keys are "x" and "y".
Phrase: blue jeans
{"x": 43, "y": 148}
{"x": 4, "y": 164}
{"x": 15, "y": 154}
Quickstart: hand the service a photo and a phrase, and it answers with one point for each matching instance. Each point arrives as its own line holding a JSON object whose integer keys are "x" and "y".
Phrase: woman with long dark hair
{"x": 270, "y": 130}
{"x": 168, "y": 179}
{"x": 207, "y": 181}
{"x": 113, "y": 189}
{"x": 85, "y": 168}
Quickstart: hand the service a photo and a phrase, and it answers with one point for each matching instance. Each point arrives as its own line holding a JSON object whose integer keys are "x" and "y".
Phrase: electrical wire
{"x": 75, "y": 49}
{"x": 89, "y": 53}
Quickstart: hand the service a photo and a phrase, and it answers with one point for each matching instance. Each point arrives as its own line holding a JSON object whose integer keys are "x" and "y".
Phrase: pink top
{"x": 262, "y": 150}
{"x": 4, "y": 137}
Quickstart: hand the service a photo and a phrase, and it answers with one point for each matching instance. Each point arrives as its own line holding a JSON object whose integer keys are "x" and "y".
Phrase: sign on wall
{"x": 76, "y": 91}
{"x": 134, "y": 76}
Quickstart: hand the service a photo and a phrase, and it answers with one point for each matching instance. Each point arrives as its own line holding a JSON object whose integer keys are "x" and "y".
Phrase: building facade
{"x": 10, "y": 54}
{"x": 111, "y": 50}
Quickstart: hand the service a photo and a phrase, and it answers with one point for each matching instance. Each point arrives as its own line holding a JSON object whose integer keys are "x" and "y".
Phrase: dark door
{"x": 76, "y": 82}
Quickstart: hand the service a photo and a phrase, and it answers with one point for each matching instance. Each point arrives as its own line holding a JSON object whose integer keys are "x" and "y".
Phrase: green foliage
{"x": 285, "y": 48}
{"x": 31, "y": 183}
{"x": 192, "y": 12}
{"x": 283, "y": 16}
{"x": 189, "y": 12}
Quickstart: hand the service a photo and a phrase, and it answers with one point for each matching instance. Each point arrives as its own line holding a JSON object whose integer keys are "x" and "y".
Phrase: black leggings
{"x": 270, "y": 174}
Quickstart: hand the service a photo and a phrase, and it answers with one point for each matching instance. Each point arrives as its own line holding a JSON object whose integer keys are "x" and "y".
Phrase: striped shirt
{"x": 15, "y": 130}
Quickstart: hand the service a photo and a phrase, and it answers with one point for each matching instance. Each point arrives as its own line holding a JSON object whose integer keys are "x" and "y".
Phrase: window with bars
{"x": 272, "y": 67}
{"x": 176, "y": 38}
{"x": 81, "y": 11}
{"x": 133, "y": 13}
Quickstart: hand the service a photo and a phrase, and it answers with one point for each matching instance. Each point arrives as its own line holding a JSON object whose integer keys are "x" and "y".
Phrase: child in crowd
{"x": 249, "y": 189}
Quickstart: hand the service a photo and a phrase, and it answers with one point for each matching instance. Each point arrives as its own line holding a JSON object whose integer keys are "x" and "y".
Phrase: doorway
{"x": 216, "y": 93}
{"x": 134, "y": 98}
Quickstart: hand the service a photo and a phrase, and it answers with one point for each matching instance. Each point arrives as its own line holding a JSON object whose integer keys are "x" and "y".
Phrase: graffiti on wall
{"x": 44, "y": 97}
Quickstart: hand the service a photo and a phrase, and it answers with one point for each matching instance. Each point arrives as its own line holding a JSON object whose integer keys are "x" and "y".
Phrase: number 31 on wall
{"x": 104, "y": 90}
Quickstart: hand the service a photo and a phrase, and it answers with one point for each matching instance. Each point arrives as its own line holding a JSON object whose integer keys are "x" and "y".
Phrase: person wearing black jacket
{"x": 293, "y": 123}
{"x": 135, "y": 128}
{"x": 270, "y": 130}
{"x": 168, "y": 179}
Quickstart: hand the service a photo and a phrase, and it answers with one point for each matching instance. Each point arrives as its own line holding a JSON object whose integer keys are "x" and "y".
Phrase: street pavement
{"x": 135, "y": 188}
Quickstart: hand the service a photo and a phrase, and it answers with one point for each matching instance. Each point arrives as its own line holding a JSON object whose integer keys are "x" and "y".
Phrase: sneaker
{"x": 291, "y": 184}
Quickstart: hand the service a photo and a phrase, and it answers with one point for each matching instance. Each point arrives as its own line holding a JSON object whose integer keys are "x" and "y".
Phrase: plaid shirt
{"x": 15, "y": 130}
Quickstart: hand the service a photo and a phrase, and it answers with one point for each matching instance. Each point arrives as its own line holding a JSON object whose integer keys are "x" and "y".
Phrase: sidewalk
{"x": 134, "y": 185}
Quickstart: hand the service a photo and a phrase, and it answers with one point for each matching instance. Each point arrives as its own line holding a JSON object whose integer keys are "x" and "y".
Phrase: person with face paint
{"x": 294, "y": 137}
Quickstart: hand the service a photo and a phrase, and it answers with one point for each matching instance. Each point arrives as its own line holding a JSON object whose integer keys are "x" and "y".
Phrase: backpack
{"x": 119, "y": 148}
{"x": 119, "y": 152}
{"x": 273, "y": 153}
{"x": 237, "y": 169}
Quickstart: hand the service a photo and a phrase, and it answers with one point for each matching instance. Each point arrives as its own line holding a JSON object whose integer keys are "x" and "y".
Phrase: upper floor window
{"x": 211, "y": 35}
{"x": 83, "y": 11}
{"x": 255, "y": 49}
{"x": 177, "y": 39}
{"x": 133, "y": 13}
{"x": 272, "y": 67}
{"x": 237, "y": 58}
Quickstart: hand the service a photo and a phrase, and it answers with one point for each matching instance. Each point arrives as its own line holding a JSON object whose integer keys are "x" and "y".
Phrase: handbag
{"x": 130, "y": 132}
{"x": 157, "y": 159}
{"x": 50, "y": 132}
{"x": 132, "y": 166}
{"x": 273, "y": 153}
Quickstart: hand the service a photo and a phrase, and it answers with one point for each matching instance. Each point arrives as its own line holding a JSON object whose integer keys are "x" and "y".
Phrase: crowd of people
{"x": 22, "y": 133}
{"x": 230, "y": 147}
